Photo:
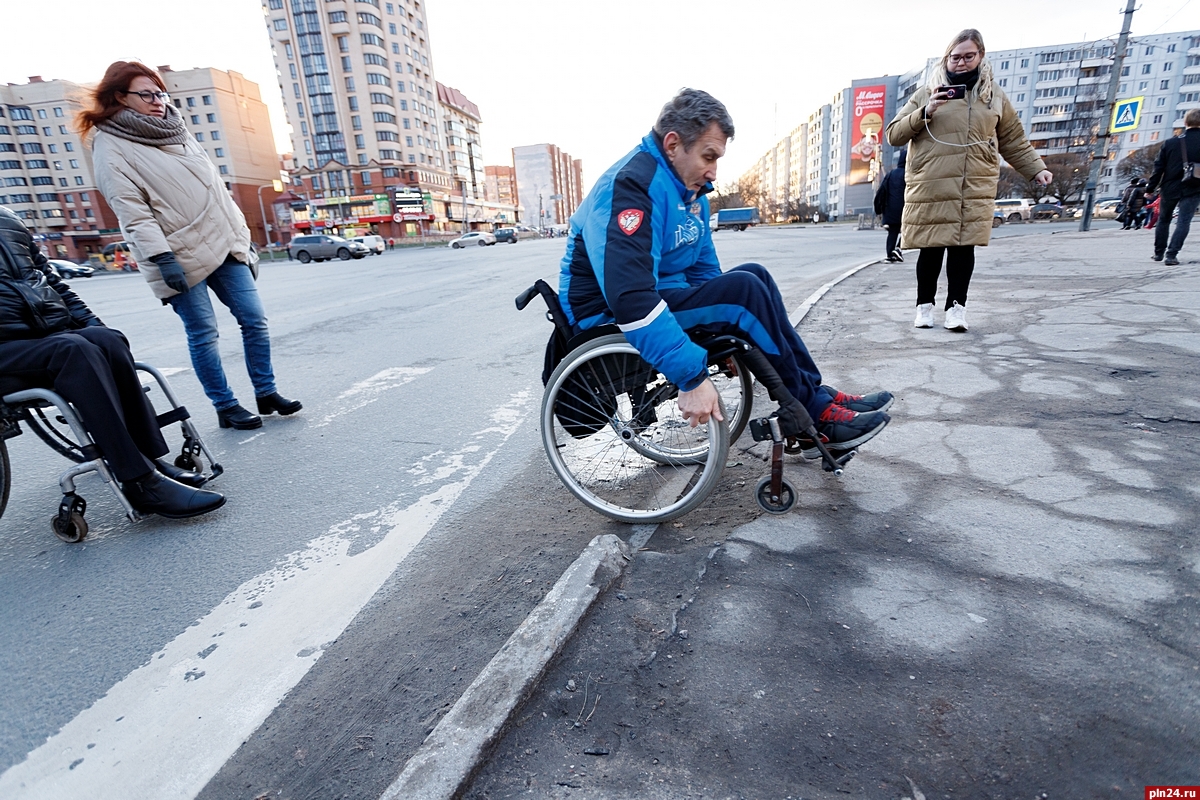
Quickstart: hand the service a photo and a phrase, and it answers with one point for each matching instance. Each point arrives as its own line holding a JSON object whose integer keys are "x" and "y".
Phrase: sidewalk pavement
{"x": 999, "y": 599}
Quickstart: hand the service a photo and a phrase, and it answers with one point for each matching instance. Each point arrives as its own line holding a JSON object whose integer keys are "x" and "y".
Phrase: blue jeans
{"x": 234, "y": 286}
{"x": 1187, "y": 209}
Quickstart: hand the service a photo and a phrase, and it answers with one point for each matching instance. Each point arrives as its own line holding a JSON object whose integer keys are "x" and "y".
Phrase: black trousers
{"x": 960, "y": 263}
{"x": 892, "y": 237}
{"x": 92, "y": 368}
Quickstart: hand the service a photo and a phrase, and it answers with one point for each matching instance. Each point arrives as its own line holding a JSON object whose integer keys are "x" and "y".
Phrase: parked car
{"x": 1015, "y": 210}
{"x": 1105, "y": 209}
{"x": 526, "y": 232}
{"x": 374, "y": 244}
{"x": 507, "y": 235}
{"x": 69, "y": 269}
{"x": 322, "y": 247}
{"x": 479, "y": 238}
{"x": 997, "y": 218}
{"x": 1046, "y": 211}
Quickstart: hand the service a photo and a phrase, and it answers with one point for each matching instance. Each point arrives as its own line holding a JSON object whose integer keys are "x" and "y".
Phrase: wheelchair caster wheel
{"x": 72, "y": 529}
{"x": 775, "y": 505}
{"x": 187, "y": 461}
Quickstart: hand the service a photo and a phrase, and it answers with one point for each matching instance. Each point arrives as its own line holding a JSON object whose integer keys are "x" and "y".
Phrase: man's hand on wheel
{"x": 701, "y": 403}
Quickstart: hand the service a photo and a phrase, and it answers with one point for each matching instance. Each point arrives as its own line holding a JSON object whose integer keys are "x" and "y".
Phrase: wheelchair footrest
{"x": 174, "y": 415}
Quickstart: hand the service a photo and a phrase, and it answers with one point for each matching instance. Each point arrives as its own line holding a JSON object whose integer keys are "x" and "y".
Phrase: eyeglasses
{"x": 965, "y": 58}
{"x": 149, "y": 97}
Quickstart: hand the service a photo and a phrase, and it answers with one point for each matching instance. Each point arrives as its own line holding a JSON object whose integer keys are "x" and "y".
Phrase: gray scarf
{"x": 153, "y": 131}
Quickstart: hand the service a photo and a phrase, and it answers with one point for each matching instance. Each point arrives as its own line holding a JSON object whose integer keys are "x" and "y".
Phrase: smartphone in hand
{"x": 955, "y": 91}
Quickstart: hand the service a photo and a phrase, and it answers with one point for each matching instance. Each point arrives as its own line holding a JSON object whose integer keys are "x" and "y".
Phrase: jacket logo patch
{"x": 629, "y": 221}
{"x": 687, "y": 233}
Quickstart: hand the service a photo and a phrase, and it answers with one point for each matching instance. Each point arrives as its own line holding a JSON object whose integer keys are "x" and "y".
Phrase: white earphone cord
{"x": 928, "y": 130}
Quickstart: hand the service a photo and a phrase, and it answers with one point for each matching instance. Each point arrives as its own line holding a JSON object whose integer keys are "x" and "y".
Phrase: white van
{"x": 1015, "y": 210}
{"x": 375, "y": 244}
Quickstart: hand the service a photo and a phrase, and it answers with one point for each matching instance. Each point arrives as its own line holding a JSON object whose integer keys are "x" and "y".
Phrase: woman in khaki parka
{"x": 954, "y": 152}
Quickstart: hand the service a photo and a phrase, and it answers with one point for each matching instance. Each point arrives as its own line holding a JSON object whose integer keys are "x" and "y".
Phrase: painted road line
{"x": 169, "y": 726}
{"x": 365, "y": 392}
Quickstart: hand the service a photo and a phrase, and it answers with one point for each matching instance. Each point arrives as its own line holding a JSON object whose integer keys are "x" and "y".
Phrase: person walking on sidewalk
{"x": 1178, "y": 190}
{"x": 183, "y": 227}
{"x": 1133, "y": 200}
{"x": 641, "y": 255}
{"x": 957, "y": 129}
{"x": 889, "y": 203}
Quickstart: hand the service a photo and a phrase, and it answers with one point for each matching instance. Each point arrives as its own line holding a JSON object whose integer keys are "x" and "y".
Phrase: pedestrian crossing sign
{"x": 1126, "y": 114}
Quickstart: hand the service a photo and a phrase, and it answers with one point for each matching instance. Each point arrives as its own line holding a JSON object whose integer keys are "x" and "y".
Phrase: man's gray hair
{"x": 689, "y": 114}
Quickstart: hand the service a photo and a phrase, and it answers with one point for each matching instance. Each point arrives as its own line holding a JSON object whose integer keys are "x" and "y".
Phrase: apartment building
{"x": 549, "y": 180}
{"x": 226, "y": 114}
{"x": 461, "y": 125}
{"x": 358, "y": 84}
{"x": 1058, "y": 91}
{"x": 46, "y": 172}
{"x": 780, "y": 174}
{"x": 500, "y": 185}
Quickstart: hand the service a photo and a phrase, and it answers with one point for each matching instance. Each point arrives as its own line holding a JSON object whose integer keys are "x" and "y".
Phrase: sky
{"x": 589, "y": 77}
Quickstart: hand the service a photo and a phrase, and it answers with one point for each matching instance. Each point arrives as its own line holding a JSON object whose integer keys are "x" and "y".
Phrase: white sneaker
{"x": 924, "y": 316}
{"x": 956, "y": 318}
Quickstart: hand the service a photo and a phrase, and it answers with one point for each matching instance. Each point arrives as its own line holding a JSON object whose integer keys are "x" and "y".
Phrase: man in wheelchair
{"x": 50, "y": 339}
{"x": 641, "y": 255}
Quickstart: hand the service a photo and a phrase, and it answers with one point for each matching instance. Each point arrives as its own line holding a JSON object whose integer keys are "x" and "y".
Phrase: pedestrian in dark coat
{"x": 1176, "y": 191}
{"x": 889, "y": 203}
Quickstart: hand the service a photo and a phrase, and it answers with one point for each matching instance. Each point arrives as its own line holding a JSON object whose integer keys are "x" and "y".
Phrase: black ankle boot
{"x": 178, "y": 474}
{"x": 157, "y": 494}
{"x": 269, "y": 404}
{"x": 238, "y": 418}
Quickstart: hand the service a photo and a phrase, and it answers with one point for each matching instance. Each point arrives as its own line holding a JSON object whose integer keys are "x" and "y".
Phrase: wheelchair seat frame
{"x": 27, "y": 406}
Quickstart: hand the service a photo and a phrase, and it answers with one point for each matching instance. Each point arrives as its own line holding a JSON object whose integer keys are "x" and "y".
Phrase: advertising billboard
{"x": 866, "y": 130}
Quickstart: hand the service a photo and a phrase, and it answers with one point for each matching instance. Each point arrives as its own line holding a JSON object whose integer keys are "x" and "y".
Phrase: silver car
{"x": 322, "y": 247}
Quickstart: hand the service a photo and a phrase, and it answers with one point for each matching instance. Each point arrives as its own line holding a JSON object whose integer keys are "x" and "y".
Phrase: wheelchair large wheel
{"x": 5, "y": 476}
{"x": 57, "y": 435}
{"x": 614, "y": 436}
{"x": 736, "y": 387}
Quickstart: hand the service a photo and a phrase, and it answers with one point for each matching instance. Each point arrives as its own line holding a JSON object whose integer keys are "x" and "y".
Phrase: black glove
{"x": 172, "y": 273}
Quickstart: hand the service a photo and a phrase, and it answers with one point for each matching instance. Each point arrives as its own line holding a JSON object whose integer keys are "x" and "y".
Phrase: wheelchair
{"x": 615, "y": 437}
{"x": 64, "y": 433}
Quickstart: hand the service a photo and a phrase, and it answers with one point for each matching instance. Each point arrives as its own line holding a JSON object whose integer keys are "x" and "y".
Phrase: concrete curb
{"x": 800, "y": 313}
{"x": 455, "y": 749}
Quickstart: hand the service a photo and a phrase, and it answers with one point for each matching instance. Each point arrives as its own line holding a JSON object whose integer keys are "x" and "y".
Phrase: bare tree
{"x": 752, "y": 195}
{"x": 1011, "y": 183}
{"x": 1139, "y": 163}
{"x": 727, "y": 196}
{"x": 1070, "y": 176}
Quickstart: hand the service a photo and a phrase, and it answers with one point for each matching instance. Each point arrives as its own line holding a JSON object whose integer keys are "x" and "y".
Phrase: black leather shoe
{"x": 178, "y": 474}
{"x": 157, "y": 494}
{"x": 273, "y": 402}
{"x": 1156, "y": 257}
{"x": 238, "y": 418}
{"x": 1171, "y": 261}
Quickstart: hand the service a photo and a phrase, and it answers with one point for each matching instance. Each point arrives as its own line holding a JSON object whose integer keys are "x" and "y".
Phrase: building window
{"x": 356, "y": 122}
{"x": 74, "y": 162}
{"x": 366, "y": 178}
{"x": 1133, "y": 137}
{"x": 383, "y": 116}
{"x": 69, "y": 147}
{"x": 360, "y": 141}
{"x": 1170, "y": 48}
{"x": 295, "y": 91}
{"x": 287, "y": 49}
{"x": 386, "y": 136}
{"x": 58, "y": 112}
{"x": 196, "y": 117}
{"x": 1162, "y": 101}
{"x": 1157, "y": 119}
{"x": 1146, "y": 68}
{"x": 1142, "y": 85}
{"x": 279, "y": 24}
{"x": 350, "y": 84}
{"x": 1150, "y": 50}
{"x": 223, "y": 169}
{"x": 1167, "y": 67}
{"x": 300, "y": 109}
{"x": 41, "y": 112}
{"x": 191, "y": 102}
{"x": 412, "y": 159}
{"x": 1024, "y": 63}
{"x": 219, "y": 152}
{"x": 1004, "y": 81}
{"x": 1154, "y": 136}
{"x": 58, "y": 165}
{"x": 337, "y": 16}
{"x": 395, "y": 48}
{"x": 343, "y": 44}
{"x": 1164, "y": 85}
{"x": 362, "y": 159}
{"x": 1024, "y": 80}
{"x": 392, "y": 28}
{"x": 372, "y": 39}
{"x": 292, "y": 69}
{"x": 353, "y": 101}
{"x": 369, "y": 19}
{"x": 31, "y": 147}
{"x": 63, "y": 130}
{"x": 61, "y": 182}
{"x": 276, "y": 5}
{"x": 375, "y": 79}
{"x": 1125, "y": 72}
{"x": 211, "y": 117}
{"x": 408, "y": 141}
{"x": 404, "y": 105}
{"x": 199, "y": 136}
{"x": 79, "y": 180}
{"x": 379, "y": 98}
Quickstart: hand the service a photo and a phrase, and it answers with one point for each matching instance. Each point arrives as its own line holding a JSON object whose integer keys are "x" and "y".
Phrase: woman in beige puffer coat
{"x": 954, "y": 152}
{"x": 184, "y": 229}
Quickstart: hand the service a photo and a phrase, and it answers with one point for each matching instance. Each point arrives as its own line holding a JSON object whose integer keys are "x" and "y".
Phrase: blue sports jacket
{"x": 639, "y": 231}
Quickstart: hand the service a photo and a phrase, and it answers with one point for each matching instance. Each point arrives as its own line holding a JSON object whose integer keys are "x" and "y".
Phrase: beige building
{"x": 46, "y": 173}
{"x": 226, "y": 114}
{"x": 500, "y": 185}
{"x": 548, "y": 180}
{"x": 358, "y": 87}
{"x": 461, "y": 124}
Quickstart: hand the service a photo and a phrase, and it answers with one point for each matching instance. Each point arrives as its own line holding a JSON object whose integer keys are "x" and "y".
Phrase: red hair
{"x": 104, "y": 101}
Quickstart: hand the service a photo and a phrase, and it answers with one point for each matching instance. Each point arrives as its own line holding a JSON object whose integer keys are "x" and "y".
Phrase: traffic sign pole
{"x": 1098, "y": 155}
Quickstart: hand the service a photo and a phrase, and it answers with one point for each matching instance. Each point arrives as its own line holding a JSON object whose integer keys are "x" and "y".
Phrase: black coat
{"x": 1168, "y": 167}
{"x": 22, "y": 263}
{"x": 889, "y": 199}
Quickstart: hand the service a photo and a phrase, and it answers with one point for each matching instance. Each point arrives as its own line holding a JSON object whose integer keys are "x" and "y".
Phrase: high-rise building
{"x": 550, "y": 180}
{"x": 500, "y": 185}
{"x": 461, "y": 124}
{"x": 358, "y": 86}
{"x": 226, "y": 114}
{"x": 46, "y": 173}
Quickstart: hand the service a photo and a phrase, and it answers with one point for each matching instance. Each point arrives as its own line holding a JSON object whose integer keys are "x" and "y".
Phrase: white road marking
{"x": 366, "y": 392}
{"x": 252, "y": 438}
{"x": 169, "y": 726}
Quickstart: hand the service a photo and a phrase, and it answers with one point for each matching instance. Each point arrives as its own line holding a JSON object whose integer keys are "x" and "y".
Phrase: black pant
{"x": 892, "y": 237}
{"x": 960, "y": 263}
{"x": 93, "y": 369}
{"x": 1166, "y": 210}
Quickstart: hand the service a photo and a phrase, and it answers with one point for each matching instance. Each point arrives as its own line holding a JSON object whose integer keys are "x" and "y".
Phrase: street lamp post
{"x": 541, "y": 217}
{"x": 263, "y": 214}
{"x": 1099, "y": 153}
{"x": 463, "y": 186}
